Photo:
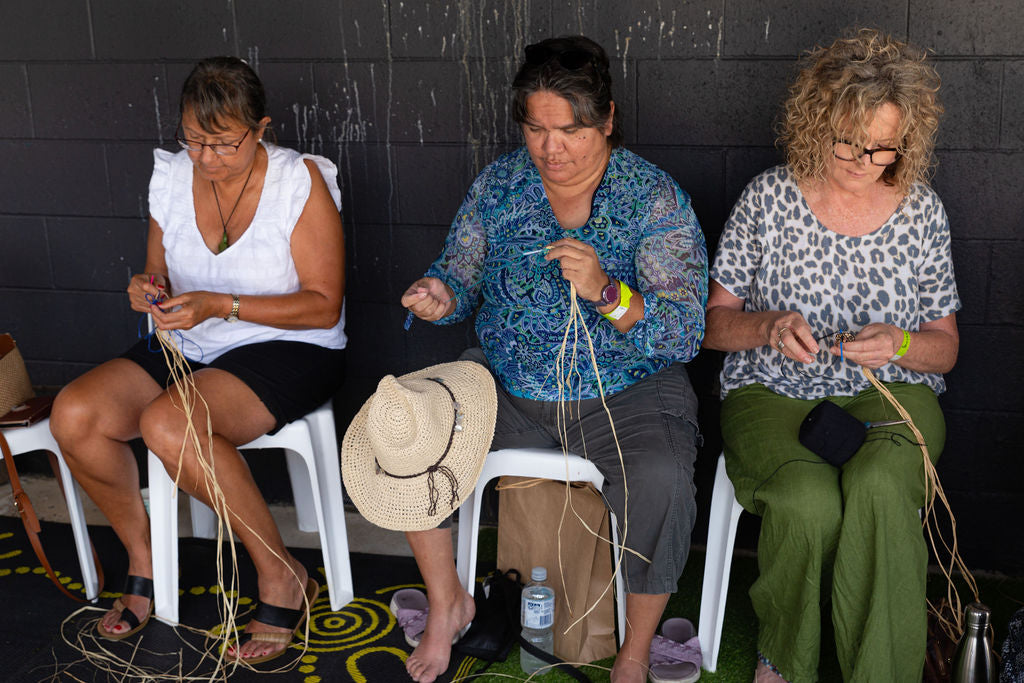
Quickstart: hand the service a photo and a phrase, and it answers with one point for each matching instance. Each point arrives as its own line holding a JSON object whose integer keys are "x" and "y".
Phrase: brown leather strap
{"x": 31, "y": 521}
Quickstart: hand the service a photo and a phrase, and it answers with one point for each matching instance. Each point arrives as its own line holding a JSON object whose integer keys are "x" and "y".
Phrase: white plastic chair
{"x": 725, "y": 514}
{"x": 544, "y": 463}
{"x": 312, "y": 456}
{"x": 38, "y": 437}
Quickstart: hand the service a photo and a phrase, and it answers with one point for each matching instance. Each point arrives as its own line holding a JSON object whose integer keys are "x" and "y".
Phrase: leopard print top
{"x": 776, "y": 255}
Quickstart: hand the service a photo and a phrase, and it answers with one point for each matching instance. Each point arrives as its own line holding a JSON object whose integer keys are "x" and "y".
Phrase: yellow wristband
{"x": 625, "y": 294}
{"x": 903, "y": 347}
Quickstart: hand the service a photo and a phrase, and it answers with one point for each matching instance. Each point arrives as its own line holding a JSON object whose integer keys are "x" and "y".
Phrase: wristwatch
{"x": 232, "y": 317}
{"x": 609, "y": 294}
{"x": 623, "y": 295}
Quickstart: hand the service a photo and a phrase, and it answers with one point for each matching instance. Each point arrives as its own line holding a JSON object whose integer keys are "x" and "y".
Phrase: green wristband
{"x": 903, "y": 347}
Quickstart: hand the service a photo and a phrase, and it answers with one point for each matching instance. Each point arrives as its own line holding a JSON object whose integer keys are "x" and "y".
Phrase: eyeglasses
{"x": 225, "y": 149}
{"x": 572, "y": 59}
{"x": 879, "y": 156}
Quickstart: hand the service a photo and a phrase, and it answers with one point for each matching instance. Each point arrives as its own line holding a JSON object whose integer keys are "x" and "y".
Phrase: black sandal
{"x": 134, "y": 585}
{"x": 281, "y": 617}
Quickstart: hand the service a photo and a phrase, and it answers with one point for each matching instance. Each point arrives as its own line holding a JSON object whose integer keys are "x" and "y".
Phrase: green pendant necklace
{"x": 224, "y": 223}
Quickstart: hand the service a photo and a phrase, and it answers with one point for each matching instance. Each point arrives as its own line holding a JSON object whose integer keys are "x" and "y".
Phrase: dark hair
{"x": 223, "y": 87}
{"x": 576, "y": 69}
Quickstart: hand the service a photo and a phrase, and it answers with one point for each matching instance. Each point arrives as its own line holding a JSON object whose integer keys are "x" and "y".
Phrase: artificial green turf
{"x": 737, "y": 656}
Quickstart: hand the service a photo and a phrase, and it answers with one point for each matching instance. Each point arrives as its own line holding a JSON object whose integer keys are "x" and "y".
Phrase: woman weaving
{"x": 571, "y": 209}
{"x": 244, "y": 267}
{"x": 836, "y": 262}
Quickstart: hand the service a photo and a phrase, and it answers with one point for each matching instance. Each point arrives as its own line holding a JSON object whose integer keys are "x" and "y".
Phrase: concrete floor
{"x": 363, "y": 537}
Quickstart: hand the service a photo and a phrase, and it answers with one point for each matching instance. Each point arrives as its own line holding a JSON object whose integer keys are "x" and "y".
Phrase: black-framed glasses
{"x": 571, "y": 59}
{"x": 225, "y": 149}
{"x": 879, "y": 156}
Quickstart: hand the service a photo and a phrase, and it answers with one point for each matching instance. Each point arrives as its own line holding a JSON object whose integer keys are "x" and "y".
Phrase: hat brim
{"x": 403, "y": 504}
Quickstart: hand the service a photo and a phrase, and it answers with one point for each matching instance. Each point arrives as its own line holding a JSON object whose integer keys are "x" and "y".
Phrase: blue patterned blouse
{"x": 644, "y": 232}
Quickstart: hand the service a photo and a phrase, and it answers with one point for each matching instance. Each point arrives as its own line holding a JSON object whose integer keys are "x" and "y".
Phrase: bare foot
{"x": 282, "y": 590}
{"x": 629, "y": 670}
{"x": 430, "y": 659}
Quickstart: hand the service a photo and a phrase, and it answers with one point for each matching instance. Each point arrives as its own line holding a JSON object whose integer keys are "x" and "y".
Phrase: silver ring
{"x": 783, "y": 331}
{"x": 780, "y": 345}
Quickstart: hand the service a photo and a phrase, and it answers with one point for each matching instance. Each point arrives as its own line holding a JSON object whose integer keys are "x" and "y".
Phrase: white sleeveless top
{"x": 259, "y": 263}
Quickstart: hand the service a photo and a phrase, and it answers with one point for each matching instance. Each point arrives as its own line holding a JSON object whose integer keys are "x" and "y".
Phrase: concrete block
{"x": 988, "y": 371}
{"x": 709, "y": 103}
{"x": 128, "y": 29}
{"x": 1012, "y": 134}
{"x": 289, "y": 88}
{"x": 15, "y": 120}
{"x": 645, "y": 29}
{"x": 701, "y": 173}
{"x": 994, "y": 433}
{"x": 973, "y": 187}
{"x": 110, "y": 101}
{"x": 53, "y": 177}
{"x": 413, "y": 250}
{"x": 434, "y": 180}
{"x": 972, "y": 262}
{"x": 351, "y": 100}
{"x": 982, "y": 543}
{"x": 785, "y": 27}
{"x": 312, "y": 30}
{"x": 971, "y": 96}
{"x": 130, "y": 166}
{"x": 442, "y": 30}
{"x": 55, "y": 374}
{"x": 741, "y": 165}
{"x": 1006, "y": 304}
{"x": 440, "y": 101}
{"x": 58, "y": 31}
{"x": 368, "y": 178}
{"x": 952, "y": 27}
{"x": 370, "y": 273}
{"x": 24, "y": 258}
{"x": 102, "y": 324}
{"x": 375, "y": 337}
{"x": 96, "y": 253}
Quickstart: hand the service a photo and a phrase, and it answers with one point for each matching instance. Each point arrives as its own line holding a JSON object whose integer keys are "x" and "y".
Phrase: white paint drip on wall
{"x": 156, "y": 110}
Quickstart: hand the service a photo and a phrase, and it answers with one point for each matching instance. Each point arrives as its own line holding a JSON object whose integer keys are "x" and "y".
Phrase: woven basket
{"x": 15, "y": 387}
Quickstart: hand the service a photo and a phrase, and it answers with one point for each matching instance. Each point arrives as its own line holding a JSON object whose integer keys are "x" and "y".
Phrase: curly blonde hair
{"x": 836, "y": 93}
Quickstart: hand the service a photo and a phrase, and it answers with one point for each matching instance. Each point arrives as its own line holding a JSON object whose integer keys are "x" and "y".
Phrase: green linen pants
{"x": 852, "y": 535}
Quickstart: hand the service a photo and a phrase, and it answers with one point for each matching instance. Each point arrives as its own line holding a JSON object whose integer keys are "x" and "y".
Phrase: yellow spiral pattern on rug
{"x": 359, "y": 623}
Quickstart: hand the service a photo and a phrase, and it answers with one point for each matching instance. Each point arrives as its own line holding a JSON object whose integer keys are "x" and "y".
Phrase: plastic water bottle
{"x": 973, "y": 661}
{"x": 537, "y": 617}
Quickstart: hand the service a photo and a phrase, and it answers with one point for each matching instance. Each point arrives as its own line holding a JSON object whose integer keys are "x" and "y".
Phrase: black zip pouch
{"x": 832, "y": 433}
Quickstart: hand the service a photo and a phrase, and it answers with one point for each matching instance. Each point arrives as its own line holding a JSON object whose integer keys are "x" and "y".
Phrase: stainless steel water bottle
{"x": 973, "y": 661}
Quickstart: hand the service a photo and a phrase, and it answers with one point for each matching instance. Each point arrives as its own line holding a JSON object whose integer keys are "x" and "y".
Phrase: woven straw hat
{"x": 415, "y": 449}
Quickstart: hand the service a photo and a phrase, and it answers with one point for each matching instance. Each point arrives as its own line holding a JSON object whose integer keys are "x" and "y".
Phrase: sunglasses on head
{"x": 571, "y": 59}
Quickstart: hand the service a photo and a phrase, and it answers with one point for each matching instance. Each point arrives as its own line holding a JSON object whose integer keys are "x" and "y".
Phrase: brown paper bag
{"x": 15, "y": 387}
{"x": 528, "y": 537}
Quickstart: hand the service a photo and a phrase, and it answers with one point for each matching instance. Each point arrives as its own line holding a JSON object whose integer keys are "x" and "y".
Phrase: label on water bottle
{"x": 538, "y": 613}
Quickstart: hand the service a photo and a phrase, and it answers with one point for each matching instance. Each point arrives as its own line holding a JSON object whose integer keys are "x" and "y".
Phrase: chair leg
{"x": 163, "y": 531}
{"x": 725, "y": 514}
{"x": 204, "y": 520}
{"x": 90, "y": 579}
{"x": 469, "y": 536}
{"x": 302, "y": 491}
{"x": 620, "y": 584}
{"x": 324, "y": 478}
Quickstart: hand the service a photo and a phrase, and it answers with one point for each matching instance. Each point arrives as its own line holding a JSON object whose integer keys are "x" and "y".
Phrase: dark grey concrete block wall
{"x": 410, "y": 99}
